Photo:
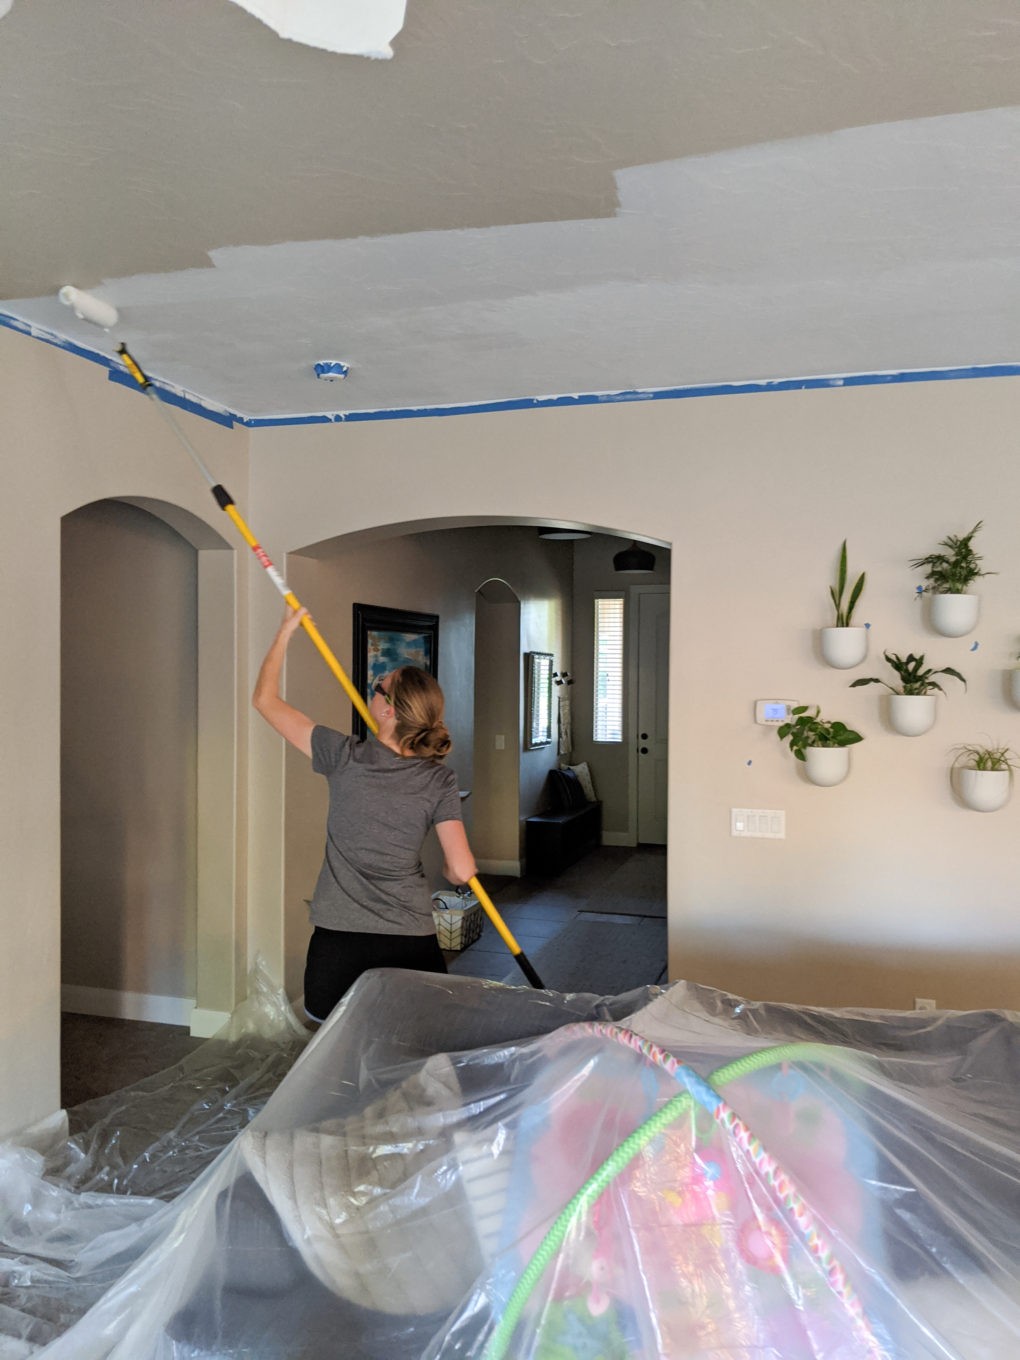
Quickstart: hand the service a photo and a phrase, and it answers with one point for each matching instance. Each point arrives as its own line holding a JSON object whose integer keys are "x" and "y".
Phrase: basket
{"x": 458, "y": 918}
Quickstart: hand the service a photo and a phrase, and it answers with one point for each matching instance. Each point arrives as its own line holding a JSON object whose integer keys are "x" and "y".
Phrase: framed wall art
{"x": 385, "y": 639}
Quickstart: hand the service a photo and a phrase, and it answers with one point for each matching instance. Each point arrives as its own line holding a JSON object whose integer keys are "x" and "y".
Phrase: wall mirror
{"x": 537, "y": 699}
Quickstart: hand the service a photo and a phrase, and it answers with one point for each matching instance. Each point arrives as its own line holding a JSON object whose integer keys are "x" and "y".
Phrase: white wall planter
{"x": 827, "y": 765}
{"x": 955, "y": 615}
{"x": 911, "y": 714}
{"x": 984, "y": 790}
{"x": 844, "y": 647}
{"x": 1014, "y": 685}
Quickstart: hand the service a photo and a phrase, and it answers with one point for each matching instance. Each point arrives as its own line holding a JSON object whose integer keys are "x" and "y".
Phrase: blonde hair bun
{"x": 418, "y": 707}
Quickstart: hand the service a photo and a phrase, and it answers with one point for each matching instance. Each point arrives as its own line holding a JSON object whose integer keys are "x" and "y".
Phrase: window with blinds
{"x": 608, "y": 725}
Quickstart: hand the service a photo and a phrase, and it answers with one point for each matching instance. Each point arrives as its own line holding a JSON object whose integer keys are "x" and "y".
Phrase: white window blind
{"x": 608, "y": 725}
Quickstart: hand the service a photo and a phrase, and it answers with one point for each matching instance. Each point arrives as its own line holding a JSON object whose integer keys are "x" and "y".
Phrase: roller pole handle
{"x": 504, "y": 933}
{"x": 226, "y": 503}
{"x": 225, "y": 500}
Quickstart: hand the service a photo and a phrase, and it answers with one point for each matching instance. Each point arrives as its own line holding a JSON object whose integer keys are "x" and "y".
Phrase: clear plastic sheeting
{"x": 155, "y": 1137}
{"x": 456, "y": 1168}
{"x": 73, "y": 1221}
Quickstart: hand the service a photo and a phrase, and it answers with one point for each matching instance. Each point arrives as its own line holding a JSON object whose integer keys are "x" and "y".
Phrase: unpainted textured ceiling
{"x": 523, "y": 202}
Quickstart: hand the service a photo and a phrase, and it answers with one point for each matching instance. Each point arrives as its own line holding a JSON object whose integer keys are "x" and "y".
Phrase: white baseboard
{"x": 618, "y": 838}
{"x": 509, "y": 868}
{"x": 159, "y": 1010}
{"x": 204, "y": 1024}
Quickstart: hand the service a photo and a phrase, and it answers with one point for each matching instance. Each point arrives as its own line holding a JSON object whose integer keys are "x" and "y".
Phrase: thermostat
{"x": 773, "y": 711}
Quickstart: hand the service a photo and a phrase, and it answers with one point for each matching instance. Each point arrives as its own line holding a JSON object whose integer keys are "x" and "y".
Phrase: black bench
{"x": 572, "y": 827}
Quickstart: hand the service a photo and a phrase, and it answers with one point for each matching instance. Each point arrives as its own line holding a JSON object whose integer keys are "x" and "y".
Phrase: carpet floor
{"x": 99, "y": 1054}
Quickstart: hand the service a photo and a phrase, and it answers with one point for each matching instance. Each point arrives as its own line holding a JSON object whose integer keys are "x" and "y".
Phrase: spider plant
{"x": 836, "y": 592}
{"x": 811, "y": 729}
{"x": 914, "y": 677}
{"x": 950, "y": 572}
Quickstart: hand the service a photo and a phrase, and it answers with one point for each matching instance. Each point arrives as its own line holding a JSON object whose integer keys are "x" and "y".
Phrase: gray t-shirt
{"x": 381, "y": 806}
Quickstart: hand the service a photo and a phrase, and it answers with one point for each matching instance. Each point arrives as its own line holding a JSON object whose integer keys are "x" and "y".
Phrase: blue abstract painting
{"x": 386, "y": 638}
{"x": 386, "y": 650}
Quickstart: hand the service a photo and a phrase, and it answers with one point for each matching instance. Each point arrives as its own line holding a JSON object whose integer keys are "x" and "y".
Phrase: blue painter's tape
{"x": 229, "y": 418}
{"x": 168, "y": 397}
{"x": 117, "y": 373}
{"x": 15, "y": 323}
{"x": 643, "y": 394}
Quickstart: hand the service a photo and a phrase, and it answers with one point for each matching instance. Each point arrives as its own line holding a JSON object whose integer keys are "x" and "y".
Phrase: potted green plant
{"x": 949, "y": 575}
{"x": 821, "y": 743}
{"x": 912, "y": 702}
{"x": 843, "y": 644}
{"x": 984, "y": 775}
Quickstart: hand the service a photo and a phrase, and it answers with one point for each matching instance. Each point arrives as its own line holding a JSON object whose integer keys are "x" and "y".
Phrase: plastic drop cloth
{"x": 62, "y": 1240}
{"x": 455, "y": 1168}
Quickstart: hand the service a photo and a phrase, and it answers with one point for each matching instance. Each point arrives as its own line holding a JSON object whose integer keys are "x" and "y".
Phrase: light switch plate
{"x": 769, "y": 823}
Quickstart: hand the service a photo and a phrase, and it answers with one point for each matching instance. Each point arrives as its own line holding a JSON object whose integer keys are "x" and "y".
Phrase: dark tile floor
{"x": 599, "y": 926}
{"x": 622, "y": 890}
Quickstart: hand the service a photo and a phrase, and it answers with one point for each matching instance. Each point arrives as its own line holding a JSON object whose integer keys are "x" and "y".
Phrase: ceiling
{"x": 525, "y": 203}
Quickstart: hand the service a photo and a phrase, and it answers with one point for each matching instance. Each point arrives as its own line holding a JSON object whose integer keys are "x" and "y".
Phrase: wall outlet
{"x": 924, "y": 1003}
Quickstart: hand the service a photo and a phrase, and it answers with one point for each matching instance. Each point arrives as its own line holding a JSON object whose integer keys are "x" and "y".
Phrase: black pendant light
{"x": 634, "y": 560}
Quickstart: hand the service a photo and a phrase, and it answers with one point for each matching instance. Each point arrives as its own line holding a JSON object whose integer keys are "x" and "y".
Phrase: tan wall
{"x": 495, "y": 801}
{"x": 70, "y": 438}
{"x": 884, "y": 888}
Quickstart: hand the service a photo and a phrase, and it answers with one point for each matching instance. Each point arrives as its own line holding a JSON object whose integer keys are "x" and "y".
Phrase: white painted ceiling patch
{"x": 360, "y": 28}
{"x": 779, "y": 261}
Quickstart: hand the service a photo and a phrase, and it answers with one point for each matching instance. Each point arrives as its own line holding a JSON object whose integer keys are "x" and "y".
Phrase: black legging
{"x": 337, "y": 958}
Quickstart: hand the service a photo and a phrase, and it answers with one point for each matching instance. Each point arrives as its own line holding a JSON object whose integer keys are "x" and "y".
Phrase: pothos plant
{"x": 836, "y": 592}
{"x": 951, "y": 571}
{"x": 914, "y": 676}
{"x": 808, "y": 728}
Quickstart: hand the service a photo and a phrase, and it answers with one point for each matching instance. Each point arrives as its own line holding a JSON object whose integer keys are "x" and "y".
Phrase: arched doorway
{"x": 148, "y": 759}
{"x": 129, "y": 710}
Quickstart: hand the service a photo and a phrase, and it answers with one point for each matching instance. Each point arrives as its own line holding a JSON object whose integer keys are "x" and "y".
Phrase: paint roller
{"x": 103, "y": 314}
{"x": 89, "y": 308}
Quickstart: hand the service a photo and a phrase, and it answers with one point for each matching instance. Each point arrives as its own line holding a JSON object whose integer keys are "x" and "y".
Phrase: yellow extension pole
{"x": 226, "y": 503}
